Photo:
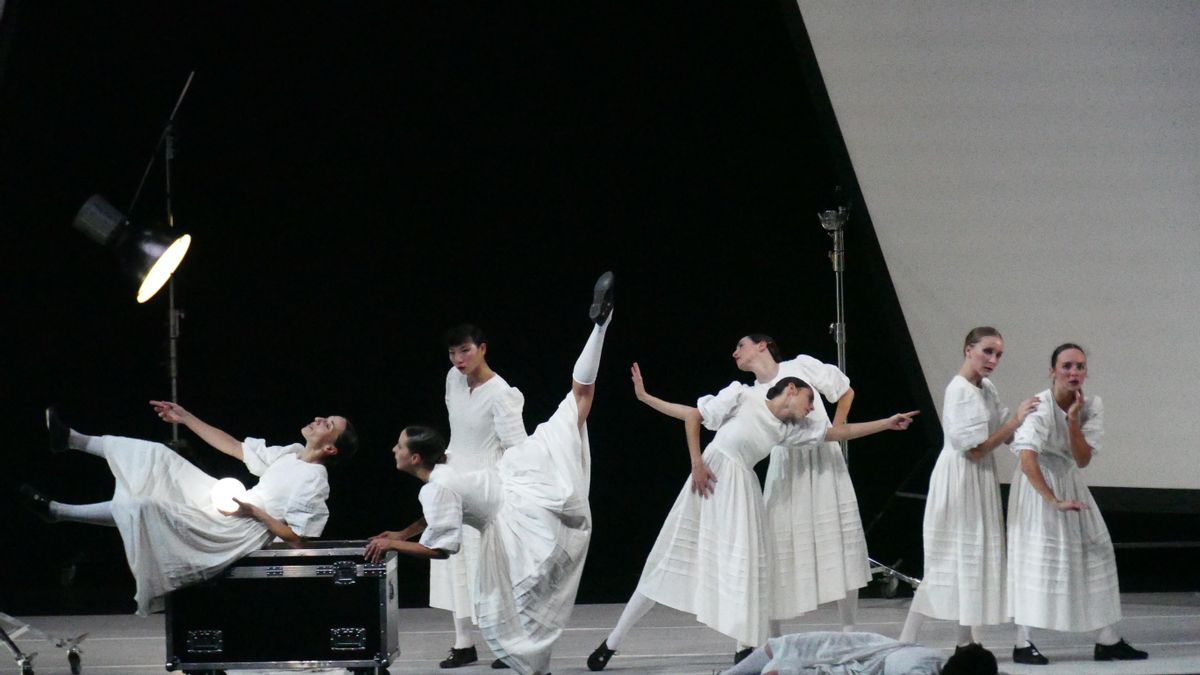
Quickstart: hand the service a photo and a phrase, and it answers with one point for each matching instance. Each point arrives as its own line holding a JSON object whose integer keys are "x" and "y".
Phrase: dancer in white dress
{"x": 713, "y": 555}
{"x": 485, "y": 419}
{"x": 964, "y": 519}
{"x": 1062, "y": 573}
{"x": 163, "y": 505}
{"x": 820, "y": 551}
{"x": 532, "y": 512}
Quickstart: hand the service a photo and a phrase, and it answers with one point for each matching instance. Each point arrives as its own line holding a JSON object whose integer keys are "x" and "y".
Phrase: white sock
{"x": 462, "y": 633}
{"x": 92, "y": 445}
{"x": 965, "y": 636}
{"x": 588, "y": 363}
{"x": 1107, "y": 636}
{"x": 848, "y": 610}
{"x": 634, "y": 610}
{"x": 1022, "y": 637}
{"x": 99, "y": 513}
{"x": 912, "y": 626}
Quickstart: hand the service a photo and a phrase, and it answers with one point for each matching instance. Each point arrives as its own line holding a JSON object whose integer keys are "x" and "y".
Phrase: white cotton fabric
{"x": 174, "y": 536}
{"x": 535, "y": 525}
{"x": 483, "y": 422}
{"x": 812, "y": 509}
{"x": 827, "y": 653}
{"x": 713, "y": 555}
{"x": 964, "y": 518}
{"x": 1062, "y": 573}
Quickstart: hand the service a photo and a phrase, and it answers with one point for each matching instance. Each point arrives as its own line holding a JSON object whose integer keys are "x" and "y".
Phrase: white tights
{"x": 1105, "y": 636}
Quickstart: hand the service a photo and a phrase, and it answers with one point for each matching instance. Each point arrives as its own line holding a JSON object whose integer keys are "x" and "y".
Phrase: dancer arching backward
{"x": 820, "y": 551}
{"x": 712, "y": 556}
{"x": 1062, "y": 573}
{"x": 532, "y": 513}
{"x": 964, "y": 520}
{"x": 485, "y": 419}
{"x": 163, "y": 505}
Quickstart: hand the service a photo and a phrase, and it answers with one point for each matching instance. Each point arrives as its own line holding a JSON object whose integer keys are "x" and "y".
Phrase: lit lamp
{"x": 223, "y": 493}
{"x": 150, "y": 256}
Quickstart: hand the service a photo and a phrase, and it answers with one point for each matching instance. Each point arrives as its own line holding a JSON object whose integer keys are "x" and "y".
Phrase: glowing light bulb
{"x": 224, "y": 491}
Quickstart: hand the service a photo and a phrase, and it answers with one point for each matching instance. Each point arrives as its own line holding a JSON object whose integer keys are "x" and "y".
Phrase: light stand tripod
{"x": 834, "y": 222}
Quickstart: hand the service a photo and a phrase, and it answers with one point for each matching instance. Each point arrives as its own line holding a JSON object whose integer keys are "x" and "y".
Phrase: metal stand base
{"x": 891, "y": 577}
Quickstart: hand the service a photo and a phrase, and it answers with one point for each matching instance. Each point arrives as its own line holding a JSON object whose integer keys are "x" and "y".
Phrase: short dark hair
{"x": 972, "y": 659}
{"x": 464, "y": 333}
{"x": 346, "y": 444}
{"x": 772, "y": 348}
{"x": 777, "y": 388}
{"x": 426, "y": 442}
{"x": 978, "y": 333}
{"x": 1062, "y": 348}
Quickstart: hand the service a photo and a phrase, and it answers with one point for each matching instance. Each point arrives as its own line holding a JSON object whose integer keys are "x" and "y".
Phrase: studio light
{"x": 149, "y": 256}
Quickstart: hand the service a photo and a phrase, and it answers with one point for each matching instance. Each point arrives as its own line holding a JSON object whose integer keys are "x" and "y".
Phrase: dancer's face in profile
{"x": 467, "y": 357}
{"x": 984, "y": 356}
{"x": 747, "y": 351}
{"x": 405, "y": 460}
{"x": 323, "y": 432}
{"x": 1070, "y": 370}
{"x": 799, "y": 402}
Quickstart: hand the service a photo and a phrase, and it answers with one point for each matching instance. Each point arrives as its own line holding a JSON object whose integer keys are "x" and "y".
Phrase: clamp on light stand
{"x": 833, "y": 221}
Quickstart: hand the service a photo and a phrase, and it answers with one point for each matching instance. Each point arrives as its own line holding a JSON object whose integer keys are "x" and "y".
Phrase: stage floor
{"x": 1165, "y": 624}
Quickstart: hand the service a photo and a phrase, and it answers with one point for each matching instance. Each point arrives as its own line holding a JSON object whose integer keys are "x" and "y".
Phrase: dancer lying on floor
{"x": 840, "y": 653}
{"x": 532, "y": 513}
{"x": 163, "y": 505}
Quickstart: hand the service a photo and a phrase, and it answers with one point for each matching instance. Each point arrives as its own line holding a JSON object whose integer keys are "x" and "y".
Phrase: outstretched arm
{"x": 378, "y": 546}
{"x": 407, "y": 533}
{"x": 175, "y": 414}
{"x": 703, "y": 479}
{"x": 847, "y": 432}
{"x": 843, "y": 407}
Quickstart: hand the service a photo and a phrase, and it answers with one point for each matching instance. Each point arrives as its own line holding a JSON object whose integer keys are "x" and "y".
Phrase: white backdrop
{"x": 1034, "y": 166}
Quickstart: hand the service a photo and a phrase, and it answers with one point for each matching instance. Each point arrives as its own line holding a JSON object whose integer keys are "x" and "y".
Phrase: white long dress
{"x": 812, "y": 509}
{"x": 483, "y": 423}
{"x": 964, "y": 518}
{"x": 713, "y": 556}
{"x": 827, "y": 653}
{"x": 535, "y": 525}
{"x": 174, "y": 536}
{"x": 1062, "y": 573}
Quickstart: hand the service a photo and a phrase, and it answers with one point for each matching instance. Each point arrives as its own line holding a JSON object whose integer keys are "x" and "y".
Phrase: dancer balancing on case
{"x": 532, "y": 513}
{"x": 712, "y": 556}
{"x": 1062, "y": 573}
{"x": 819, "y": 549}
{"x": 485, "y": 420}
{"x": 163, "y": 505}
{"x": 964, "y": 520}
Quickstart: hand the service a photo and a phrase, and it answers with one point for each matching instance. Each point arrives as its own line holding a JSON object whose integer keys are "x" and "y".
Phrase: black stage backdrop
{"x": 358, "y": 179}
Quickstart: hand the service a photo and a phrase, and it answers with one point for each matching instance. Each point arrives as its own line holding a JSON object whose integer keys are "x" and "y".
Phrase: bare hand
{"x": 900, "y": 421}
{"x": 1027, "y": 406}
{"x": 170, "y": 412}
{"x": 376, "y": 548}
{"x": 243, "y": 510}
{"x": 387, "y": 534}
{"x": 1069, "y": 505}
{"x": 639, "y": 387}
{"x": 1076, "y": 406}
{"x": 704, "y": 481}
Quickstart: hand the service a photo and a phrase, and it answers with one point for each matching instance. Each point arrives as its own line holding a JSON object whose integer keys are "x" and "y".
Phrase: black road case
{"x": 283, "y": 608}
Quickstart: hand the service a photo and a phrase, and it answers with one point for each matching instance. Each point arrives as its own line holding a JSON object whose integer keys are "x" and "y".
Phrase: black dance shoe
{"x": 39, "y": 504}
{"x": 57, "y": 431}
{"x": 602, "y": 299}
{"x": 1122, "y": 651}
{"x": 460, "y": 657}
{"x": 600, "y": 657}
{"x": 1030, "y": 656}
{"x": 741, "y": 656}
{"x": 499, "y": 665}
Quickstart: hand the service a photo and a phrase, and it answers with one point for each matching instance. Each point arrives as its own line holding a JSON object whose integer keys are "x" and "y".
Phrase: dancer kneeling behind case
{"x": 163, "y": 505}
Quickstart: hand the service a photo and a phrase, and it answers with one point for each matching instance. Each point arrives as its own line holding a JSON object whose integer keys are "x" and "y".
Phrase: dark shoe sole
{"x": 602, "y": 299}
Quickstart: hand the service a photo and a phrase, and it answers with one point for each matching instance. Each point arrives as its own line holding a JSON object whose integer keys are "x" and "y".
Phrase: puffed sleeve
{"x": 805, "y": 432}
{"x": 443, "y": 517}
{"x": 449, "y": 383}
{"x": 715, "y": 409}
{"x": 1093, "y": 423}
{"x": 506, "y": 416}
{"x": 306, "y": 510}
{"x": 825, "y": 378}
{"x": 964, "y": 417}
{"x": 1035, "y": 430}
{"x": 258, "y": 455}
